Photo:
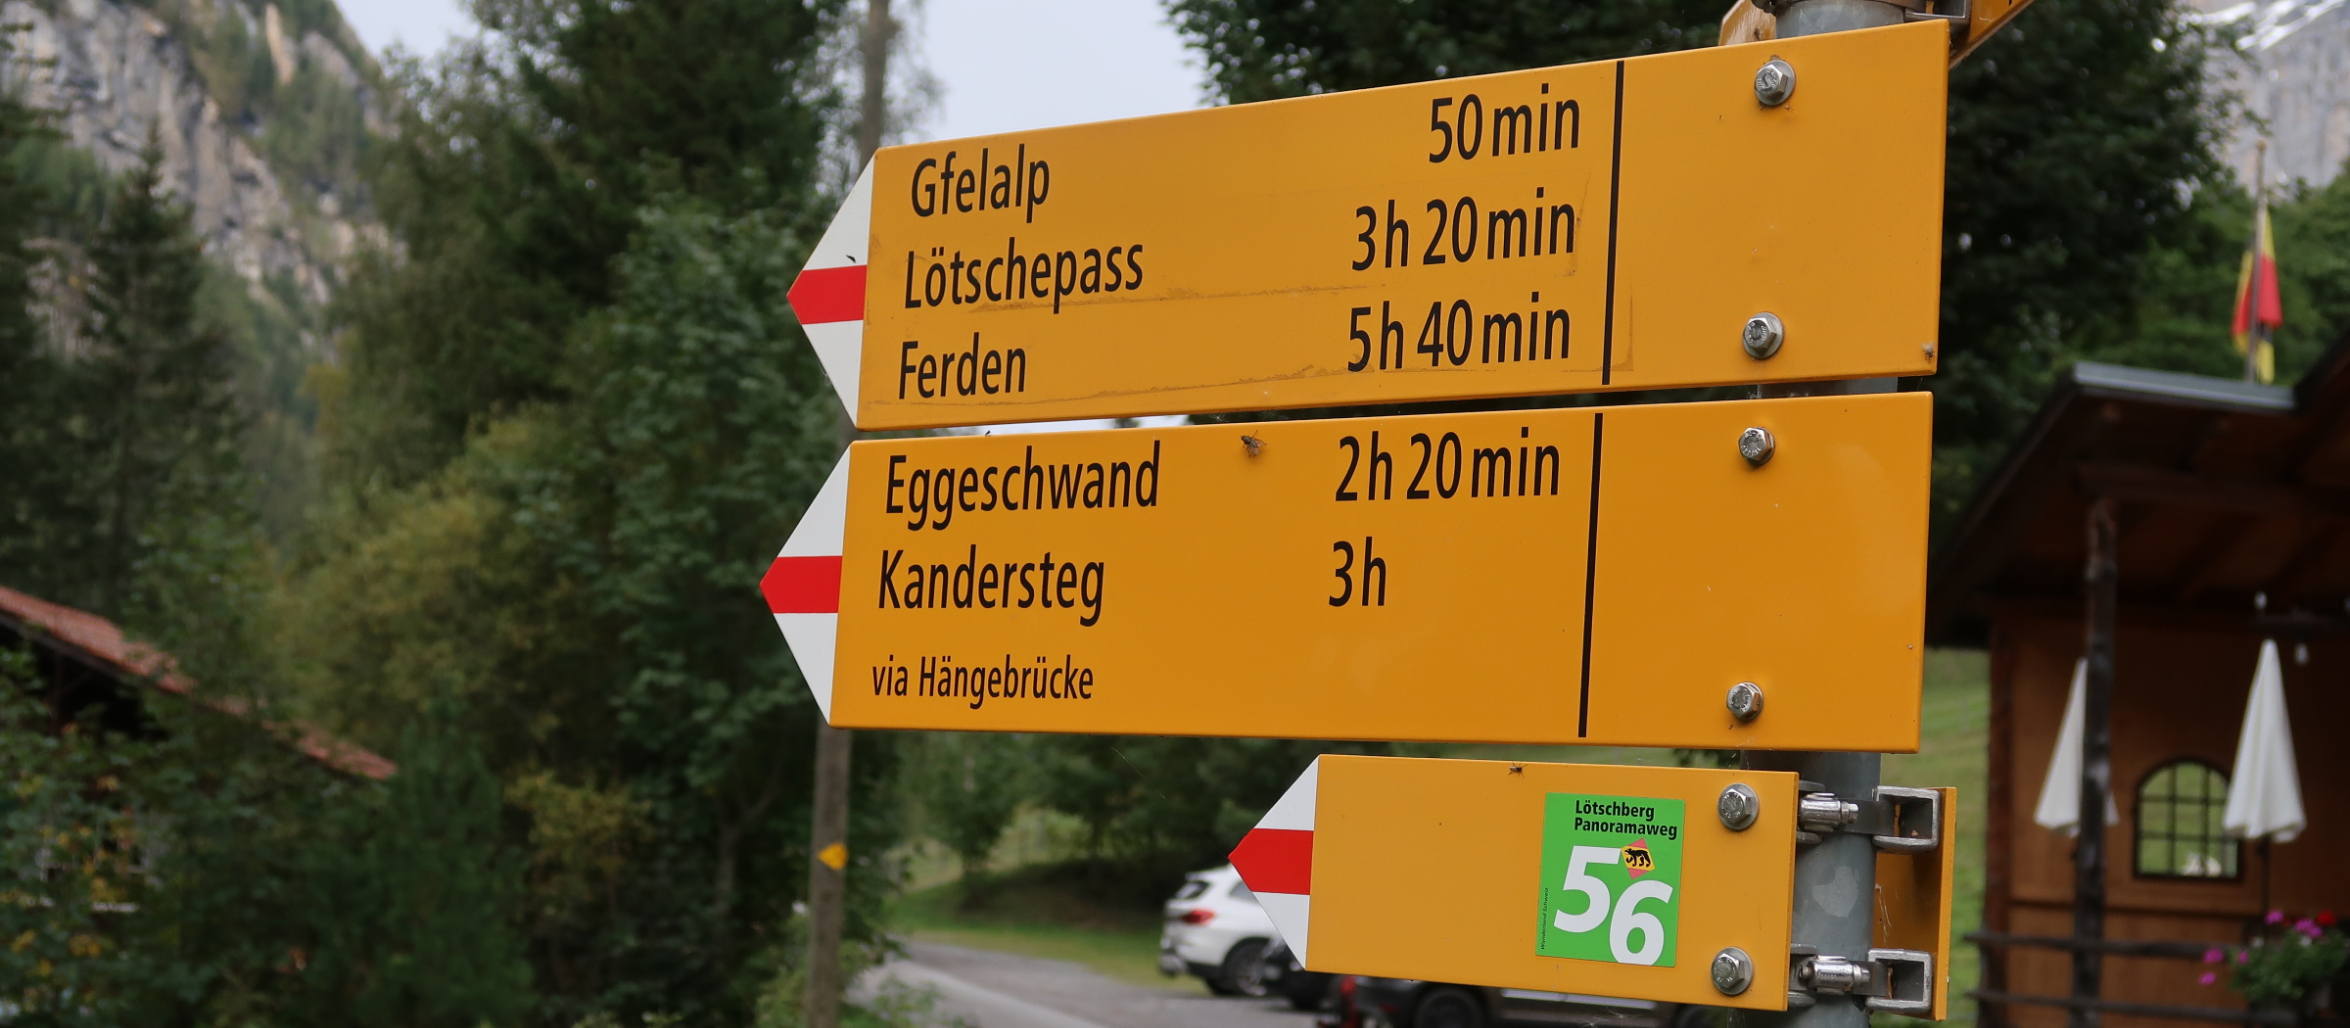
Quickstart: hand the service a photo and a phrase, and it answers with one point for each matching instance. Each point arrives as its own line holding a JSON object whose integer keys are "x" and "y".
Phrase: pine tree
{"x": 29, "y": 461}
{"x": 142, "y": 420}
{"x": 157, "y": 381}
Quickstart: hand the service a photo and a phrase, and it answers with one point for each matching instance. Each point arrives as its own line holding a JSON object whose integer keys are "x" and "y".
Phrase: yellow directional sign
{"x": 1575, "y": 575}
{"x": 1593, "y": 879}
{"x": 1602, "y": 226}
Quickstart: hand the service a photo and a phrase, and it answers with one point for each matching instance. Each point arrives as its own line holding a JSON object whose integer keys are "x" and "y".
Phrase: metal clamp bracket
{"x": 1913, "y": 820}
{"x": 1897, "y": 981}
{"x": 1907, "y": 981}
{"x": 1898, "y": 820}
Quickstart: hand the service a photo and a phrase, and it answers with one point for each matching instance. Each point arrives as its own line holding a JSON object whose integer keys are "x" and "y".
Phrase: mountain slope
{"x": 261, "y": 114}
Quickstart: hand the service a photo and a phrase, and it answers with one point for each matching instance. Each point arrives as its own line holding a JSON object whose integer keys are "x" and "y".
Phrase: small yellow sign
{"x": 835, "y": 856}
{"x": 1466, "y": 871}
{"x": 1560, "y": 230}
{"x": 1559, "y": 576}
{"x": 1913, "y": 902}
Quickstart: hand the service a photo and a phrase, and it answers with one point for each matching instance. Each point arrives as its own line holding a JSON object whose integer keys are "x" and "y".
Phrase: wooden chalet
{"x": 2160, "y": 525}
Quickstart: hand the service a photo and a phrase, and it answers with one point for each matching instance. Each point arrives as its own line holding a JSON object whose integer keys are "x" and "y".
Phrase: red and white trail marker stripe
{"x": 829, "y": 295}
{"x": 803, "y": 585}
{"x": 1276, "y": 860}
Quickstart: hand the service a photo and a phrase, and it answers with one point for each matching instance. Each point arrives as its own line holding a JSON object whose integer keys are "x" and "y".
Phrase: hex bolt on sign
{"x": 1757, "y": 445}
{"x": 1764, "y": 332}
{"x": 1733, "y": 970}
{"x": 1745, "y": 701}
{"x": 1738, "y": 807}
{"x": 1774, "y": 82}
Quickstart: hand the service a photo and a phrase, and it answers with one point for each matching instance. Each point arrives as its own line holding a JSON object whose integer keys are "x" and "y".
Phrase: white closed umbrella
{"x": 2060, "y": 795}
{"x": 2264, "y": 793}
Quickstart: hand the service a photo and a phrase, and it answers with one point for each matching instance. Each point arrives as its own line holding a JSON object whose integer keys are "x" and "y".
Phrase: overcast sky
{"x": 1005, "y": 64}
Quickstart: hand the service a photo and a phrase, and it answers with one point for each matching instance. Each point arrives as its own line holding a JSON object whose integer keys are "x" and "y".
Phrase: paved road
{"x": 1000, "y": 990}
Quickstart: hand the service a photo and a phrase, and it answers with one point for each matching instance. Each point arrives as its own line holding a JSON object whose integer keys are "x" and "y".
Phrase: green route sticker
{"x": 1611, "y": 878}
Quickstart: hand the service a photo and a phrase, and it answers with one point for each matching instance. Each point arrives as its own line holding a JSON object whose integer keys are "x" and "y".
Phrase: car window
{"x": 1240, "y": 891}
{"x": 1191, "y": 889}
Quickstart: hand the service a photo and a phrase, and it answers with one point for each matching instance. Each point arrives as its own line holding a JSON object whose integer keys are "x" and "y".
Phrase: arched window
{"x": 2179, "y": 808}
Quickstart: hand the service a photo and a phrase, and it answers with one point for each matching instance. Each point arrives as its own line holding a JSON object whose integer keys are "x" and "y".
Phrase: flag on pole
{"x": 2258, "y": 310}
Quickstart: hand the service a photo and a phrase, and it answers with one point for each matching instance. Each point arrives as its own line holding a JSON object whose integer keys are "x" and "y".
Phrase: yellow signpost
{"x": 1727, "y": 575}
{"x": 1605, "y": 226}
{"x": 1912, "y": 908}
{"x": 1558, "y": 576}
{"x": 1575, "y": 878}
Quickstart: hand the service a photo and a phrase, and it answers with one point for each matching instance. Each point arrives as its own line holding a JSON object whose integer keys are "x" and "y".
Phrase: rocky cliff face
{"x": 2291, "y": 66}
{"x": 217, "y": 82}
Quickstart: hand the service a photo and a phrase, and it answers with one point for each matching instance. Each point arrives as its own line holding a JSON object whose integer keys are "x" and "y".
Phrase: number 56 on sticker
{"x": 1611, "y": 878}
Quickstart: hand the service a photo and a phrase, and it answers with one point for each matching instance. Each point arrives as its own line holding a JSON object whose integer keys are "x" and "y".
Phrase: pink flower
{"x": 2311, "y": 930}
{"x": 2276, "y": 917}
{"x": 2209, "y": 977}
{"x": 2214, "y": 955}
{"x": 2243, "y": 956}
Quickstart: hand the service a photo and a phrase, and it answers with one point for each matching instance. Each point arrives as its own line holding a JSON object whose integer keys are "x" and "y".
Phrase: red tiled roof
{"x": 101, "y": 642}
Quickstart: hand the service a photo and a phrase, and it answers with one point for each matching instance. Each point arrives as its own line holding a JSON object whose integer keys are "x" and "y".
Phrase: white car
{"x": 1216, "y": 930}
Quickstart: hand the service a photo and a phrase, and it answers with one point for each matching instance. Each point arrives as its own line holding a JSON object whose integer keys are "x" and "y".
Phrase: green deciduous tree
{"x": 410, "y": 898}
{"x": 583, "y": 576}
{"x": 2080, "y": 162}
{"x": 2080, "y": 172}
{"x": 1161, "y": 806}
{"x": 191, "y": 864}
{"x": 524, "y": 159}
{"x": 574, "y": 422}
{"x": 970, "y": 784}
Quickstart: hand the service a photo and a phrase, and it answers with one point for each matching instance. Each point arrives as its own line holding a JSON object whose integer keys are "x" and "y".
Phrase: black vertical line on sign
{"x": 1590, "y": 573}
{"x": 1615, "y": 188}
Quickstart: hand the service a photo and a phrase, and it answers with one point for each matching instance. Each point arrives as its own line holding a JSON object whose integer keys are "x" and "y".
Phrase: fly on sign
{"x": 1601, "y": 880}
{"x": 1559, "y": 576}
{"x": 1601, "y": 226}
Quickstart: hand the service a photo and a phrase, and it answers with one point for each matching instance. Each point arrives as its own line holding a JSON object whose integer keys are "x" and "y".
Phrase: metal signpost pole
{"x": 1835, "y": 886}
{"x": 1835, "y": 878}
{"x": 1813, "y": 17}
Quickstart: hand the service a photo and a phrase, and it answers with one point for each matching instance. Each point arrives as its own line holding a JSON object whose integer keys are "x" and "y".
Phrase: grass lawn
{"x": 1951, "y": 752}
{"x": 1025, "y": 912}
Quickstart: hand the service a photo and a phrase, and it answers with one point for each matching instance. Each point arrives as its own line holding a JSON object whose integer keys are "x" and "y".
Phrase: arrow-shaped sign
{"x": 1634, "y": 224}
{"x": 1573, "y": 575}
{"x": 1595, "y": 879}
